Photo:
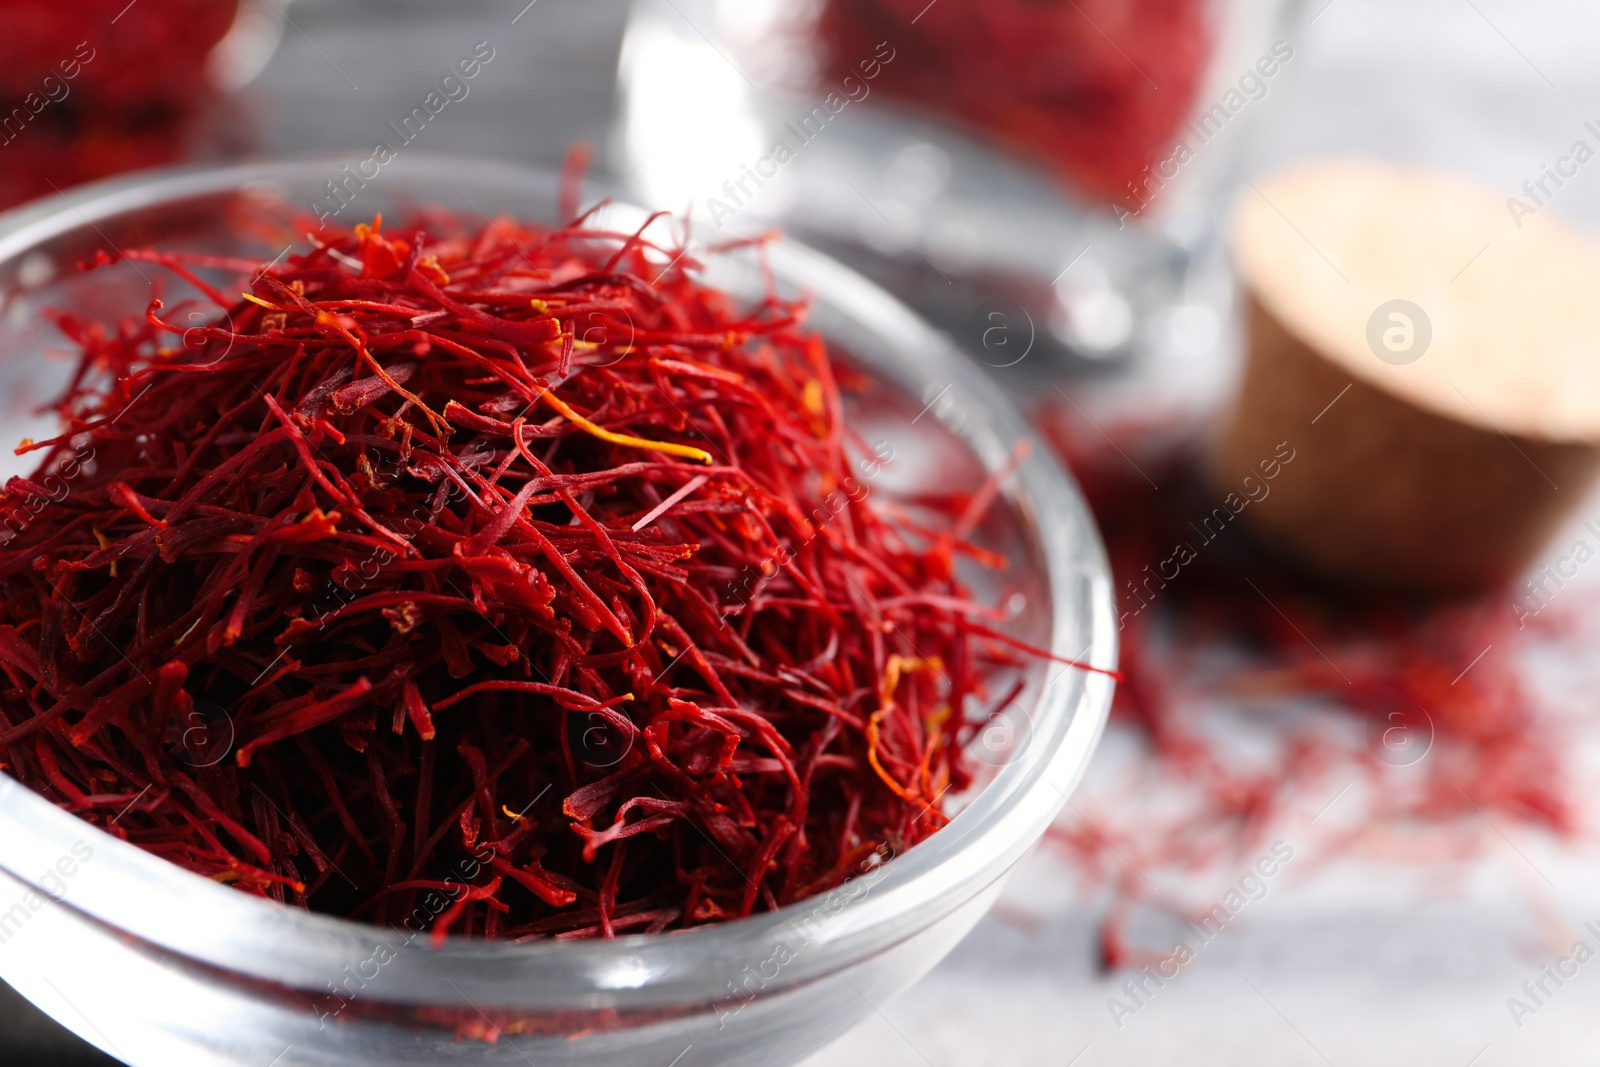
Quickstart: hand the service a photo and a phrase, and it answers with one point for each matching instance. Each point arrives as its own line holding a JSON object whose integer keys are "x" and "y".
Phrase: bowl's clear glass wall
{"x": 51, "y": 276}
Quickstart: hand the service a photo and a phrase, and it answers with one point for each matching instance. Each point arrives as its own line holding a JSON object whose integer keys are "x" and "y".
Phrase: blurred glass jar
{"x": 1056, "y": 166}
{"x": 97, "y": 87}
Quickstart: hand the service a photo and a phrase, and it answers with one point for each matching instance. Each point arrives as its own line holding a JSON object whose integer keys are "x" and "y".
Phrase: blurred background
{"x": 1411, "y": 771}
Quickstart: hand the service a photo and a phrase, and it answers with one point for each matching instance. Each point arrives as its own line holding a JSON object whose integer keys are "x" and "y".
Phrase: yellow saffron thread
{"x": 897, "y": 664}
{"x": 686, "y": 451}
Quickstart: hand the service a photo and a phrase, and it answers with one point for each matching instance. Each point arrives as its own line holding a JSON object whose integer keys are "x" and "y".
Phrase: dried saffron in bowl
{"x": 507, "y": 580}
{"x": 1095, "y": 89}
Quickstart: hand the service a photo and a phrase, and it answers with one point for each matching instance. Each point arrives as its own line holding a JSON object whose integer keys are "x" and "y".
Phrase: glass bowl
{"x": 159, "y": 966}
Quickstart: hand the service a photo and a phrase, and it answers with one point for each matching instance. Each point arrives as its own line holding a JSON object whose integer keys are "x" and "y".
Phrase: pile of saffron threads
{"x": 1400, "y": 729}
{"x": 506, "y": 580}
{"x": 1095, "y": 89}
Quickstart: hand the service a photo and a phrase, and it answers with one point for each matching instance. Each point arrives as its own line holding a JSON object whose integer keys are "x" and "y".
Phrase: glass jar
{"x": 100, "y": 87}
{"x": 1053, "y": 165}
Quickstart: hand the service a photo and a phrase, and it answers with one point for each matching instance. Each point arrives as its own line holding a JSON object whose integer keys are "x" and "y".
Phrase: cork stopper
{"x": 1431, "y": 353}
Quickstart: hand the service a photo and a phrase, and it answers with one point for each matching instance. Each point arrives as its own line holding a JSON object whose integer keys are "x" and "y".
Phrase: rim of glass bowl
{"x": 132, "y": 892}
